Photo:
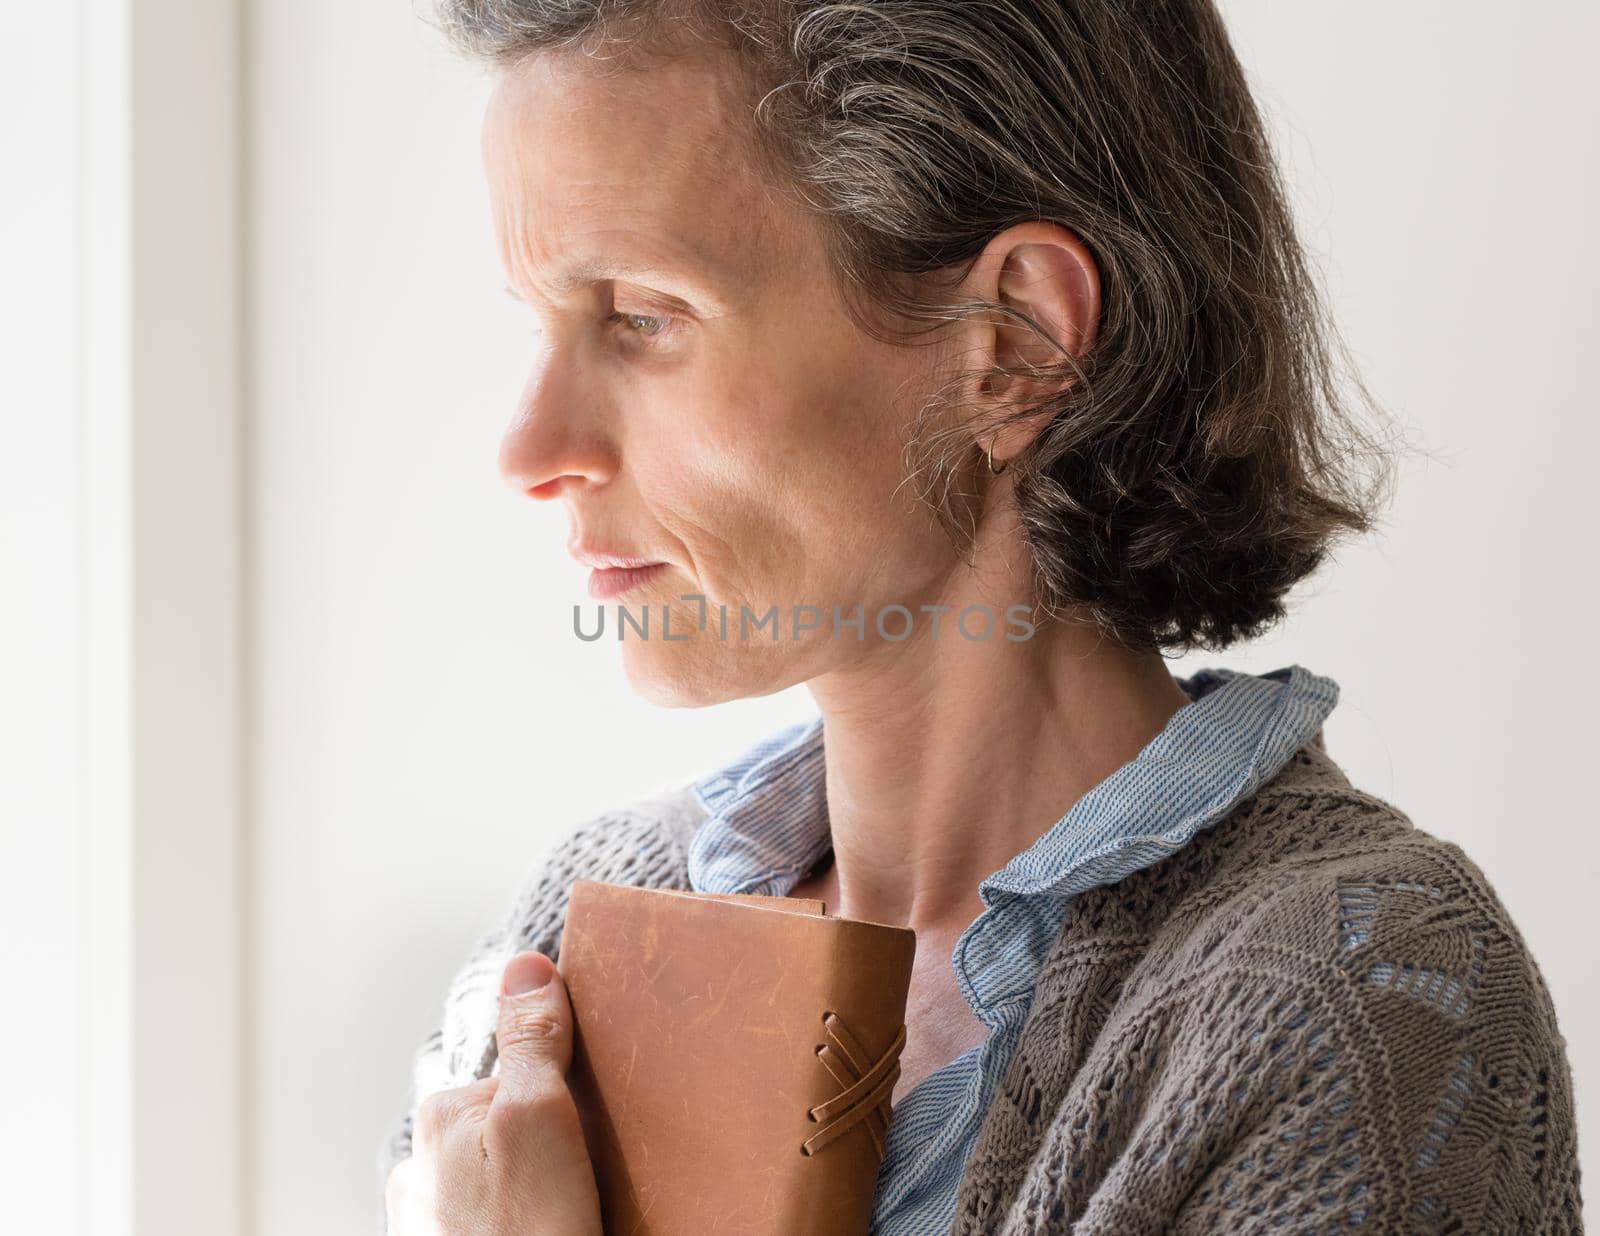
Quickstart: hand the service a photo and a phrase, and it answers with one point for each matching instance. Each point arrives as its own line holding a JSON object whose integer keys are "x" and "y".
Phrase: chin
{"x": 703, "y": 670}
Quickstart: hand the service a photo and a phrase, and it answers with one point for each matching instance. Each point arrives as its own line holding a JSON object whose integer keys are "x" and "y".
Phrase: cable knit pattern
{"x": 1313, "y": 1017}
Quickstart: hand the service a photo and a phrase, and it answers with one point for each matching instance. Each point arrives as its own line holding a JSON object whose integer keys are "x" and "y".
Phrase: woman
{"x": 900, "y": 312}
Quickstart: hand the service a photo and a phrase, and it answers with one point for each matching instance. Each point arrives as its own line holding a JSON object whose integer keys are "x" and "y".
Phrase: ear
{"x": 1046, "y": 272}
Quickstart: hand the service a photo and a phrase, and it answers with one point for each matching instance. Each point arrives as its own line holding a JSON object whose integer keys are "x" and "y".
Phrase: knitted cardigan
{"x": 1313, "y": 1016}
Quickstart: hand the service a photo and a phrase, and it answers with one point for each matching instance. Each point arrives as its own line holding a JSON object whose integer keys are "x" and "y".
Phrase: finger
{"x": 533, "y": 1125}
{"x": 535, "y": 1030}
{"x": 439, "y": 1113}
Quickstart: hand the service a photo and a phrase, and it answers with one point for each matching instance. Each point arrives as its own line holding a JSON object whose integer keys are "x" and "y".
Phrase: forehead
{"x": 641, "y": 165}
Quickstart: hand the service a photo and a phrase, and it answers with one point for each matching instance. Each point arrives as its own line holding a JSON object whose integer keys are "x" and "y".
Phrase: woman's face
{"x": 697, "y": 395}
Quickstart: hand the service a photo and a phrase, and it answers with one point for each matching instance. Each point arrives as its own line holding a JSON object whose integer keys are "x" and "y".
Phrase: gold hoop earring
{"x": 989, "y": 451}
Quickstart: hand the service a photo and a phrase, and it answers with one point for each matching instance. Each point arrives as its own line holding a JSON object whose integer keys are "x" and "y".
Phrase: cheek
{"x": 783, "y": 482}
{"x": 736, "y": 507}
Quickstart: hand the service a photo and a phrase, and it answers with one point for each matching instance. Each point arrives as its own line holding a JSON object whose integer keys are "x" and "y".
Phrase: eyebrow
{"x": 586, "y": 272}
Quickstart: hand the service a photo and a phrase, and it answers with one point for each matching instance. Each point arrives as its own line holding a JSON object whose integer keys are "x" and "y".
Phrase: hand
{"x": 505, "y": 1156}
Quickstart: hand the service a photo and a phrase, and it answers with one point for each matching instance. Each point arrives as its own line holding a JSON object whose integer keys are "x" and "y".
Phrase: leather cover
{"x": 733, "y": 1058}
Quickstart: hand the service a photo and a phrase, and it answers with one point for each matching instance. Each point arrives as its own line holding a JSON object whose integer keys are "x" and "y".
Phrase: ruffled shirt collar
{"x": 768, "y": 821}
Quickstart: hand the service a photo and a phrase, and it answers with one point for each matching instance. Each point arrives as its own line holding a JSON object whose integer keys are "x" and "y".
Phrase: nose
{"x": 550, "y": 446}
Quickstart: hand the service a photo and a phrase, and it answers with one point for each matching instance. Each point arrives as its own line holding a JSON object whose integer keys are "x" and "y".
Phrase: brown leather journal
{"x": 733, "y": 1058}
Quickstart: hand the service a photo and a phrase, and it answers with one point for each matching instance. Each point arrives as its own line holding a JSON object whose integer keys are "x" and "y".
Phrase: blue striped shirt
{"x": 768, "y": 827}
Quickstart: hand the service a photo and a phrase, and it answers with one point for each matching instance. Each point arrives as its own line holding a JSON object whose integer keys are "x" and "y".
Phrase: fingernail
{"x": 526, "y": 972}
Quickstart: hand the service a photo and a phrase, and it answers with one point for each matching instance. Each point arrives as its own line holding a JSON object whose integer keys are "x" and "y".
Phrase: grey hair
{"x": 1199, "y": 459}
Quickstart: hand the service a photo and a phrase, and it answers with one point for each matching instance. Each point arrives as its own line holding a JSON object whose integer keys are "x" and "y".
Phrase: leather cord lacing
{"x": 866, "y": 1088}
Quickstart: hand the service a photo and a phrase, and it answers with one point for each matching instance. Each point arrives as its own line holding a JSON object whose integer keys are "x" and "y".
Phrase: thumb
{"x": 535, "y": 1030}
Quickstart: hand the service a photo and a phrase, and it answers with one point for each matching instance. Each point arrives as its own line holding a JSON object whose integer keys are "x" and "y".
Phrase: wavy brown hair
{"x": 1201, "y": 457}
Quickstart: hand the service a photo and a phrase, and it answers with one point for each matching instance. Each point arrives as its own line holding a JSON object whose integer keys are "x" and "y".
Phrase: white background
{"x": 415, "y": 722}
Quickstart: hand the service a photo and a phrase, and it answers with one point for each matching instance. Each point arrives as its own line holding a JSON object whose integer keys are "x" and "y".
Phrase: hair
{"x": 1198, "y": 460}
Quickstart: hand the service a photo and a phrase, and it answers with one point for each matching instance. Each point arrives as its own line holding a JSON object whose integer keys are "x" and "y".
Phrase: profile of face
{"x": 698, "y": 395}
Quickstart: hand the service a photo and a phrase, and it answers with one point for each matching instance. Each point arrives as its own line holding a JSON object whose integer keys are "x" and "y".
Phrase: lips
{"x": 608, "y": 582}
{"x": 606, "y": 559}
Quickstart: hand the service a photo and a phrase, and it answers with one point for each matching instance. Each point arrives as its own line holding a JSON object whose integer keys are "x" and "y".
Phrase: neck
{"x": 945, "y": 758}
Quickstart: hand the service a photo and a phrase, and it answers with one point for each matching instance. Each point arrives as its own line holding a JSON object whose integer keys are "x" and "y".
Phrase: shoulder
{"x": 1298, "y": 827}
{"x": 1342, "y": 878}
{"x": 1374, "y": 977}
{"x": 643, "y": 843}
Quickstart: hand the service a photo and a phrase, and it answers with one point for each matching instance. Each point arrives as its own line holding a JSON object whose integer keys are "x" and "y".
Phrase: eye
{"x": 643, "y": 324}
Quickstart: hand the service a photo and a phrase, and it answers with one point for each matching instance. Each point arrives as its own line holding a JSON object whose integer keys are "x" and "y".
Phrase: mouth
{"x": 608, "y": 582}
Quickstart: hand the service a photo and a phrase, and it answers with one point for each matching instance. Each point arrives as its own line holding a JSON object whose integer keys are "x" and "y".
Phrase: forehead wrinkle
{"x": 703, "y": 213}
{"x": 609, "y": 243}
